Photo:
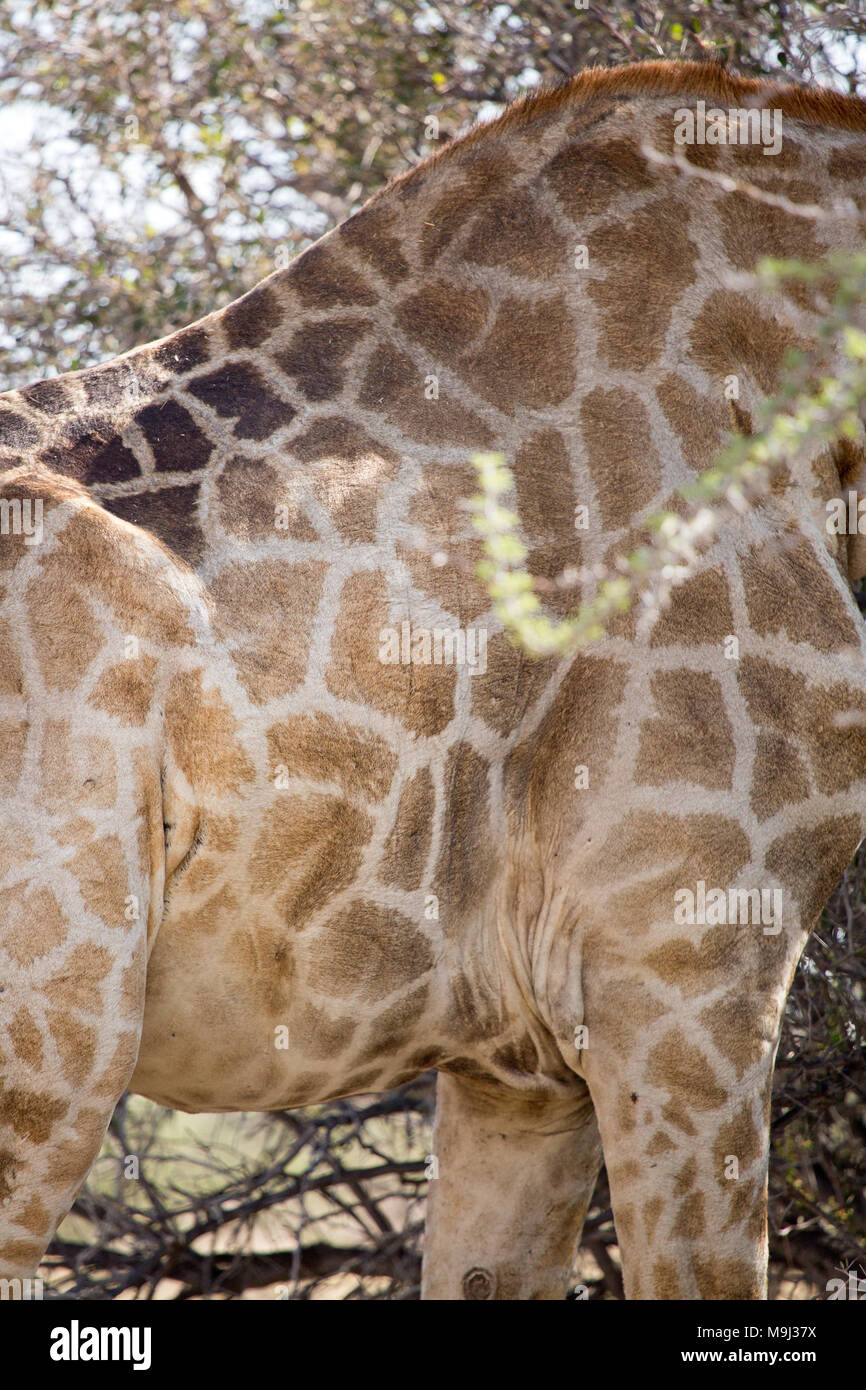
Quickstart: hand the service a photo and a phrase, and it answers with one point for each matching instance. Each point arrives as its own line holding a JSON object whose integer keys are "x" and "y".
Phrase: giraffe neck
{"x": 449, "y": 314}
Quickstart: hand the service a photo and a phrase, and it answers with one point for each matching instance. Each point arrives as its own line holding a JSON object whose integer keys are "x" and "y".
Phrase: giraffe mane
{"x": 707, "y": 80}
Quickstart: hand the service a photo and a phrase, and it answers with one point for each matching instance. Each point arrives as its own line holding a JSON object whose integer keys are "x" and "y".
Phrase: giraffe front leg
{"x": 72, "y": 965}
{"x": 686, "y": 1151}
{"x": 511, "y": 1187}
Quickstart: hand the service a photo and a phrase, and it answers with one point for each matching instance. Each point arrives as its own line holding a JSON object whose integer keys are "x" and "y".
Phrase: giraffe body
{"x": 237, "y": 816}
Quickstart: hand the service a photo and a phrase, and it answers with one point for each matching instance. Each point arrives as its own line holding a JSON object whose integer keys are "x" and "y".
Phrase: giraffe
{"x": 287, "y": 818}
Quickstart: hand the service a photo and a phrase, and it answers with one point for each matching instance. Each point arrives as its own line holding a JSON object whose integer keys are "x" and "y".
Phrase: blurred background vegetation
{"x": 155, "y": 162}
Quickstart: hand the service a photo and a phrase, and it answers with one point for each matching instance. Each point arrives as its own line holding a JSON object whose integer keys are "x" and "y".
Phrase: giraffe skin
{"x": 225, "y": 819}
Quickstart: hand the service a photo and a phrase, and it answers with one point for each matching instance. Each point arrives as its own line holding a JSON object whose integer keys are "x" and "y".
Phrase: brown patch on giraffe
{"x": 576, "y": 730}
{"x": 625, "y": 1117}
{"x": 545, "y": 490}
{"x": 8, "y": 1172}
{"x": 703, "y": 845}
{"x": 520, "y": 1057}
{"x": 426, "y": 1058}
{"x": 171, "y": 514}
{"x": 788, "y": 589}
{"x": 513, "y": 232}
{"x": 421, "y": 697}
{"x": 176, "y": 442}
{"x": 686, "y": 1178}
{"x": 666, "y": 1280}
{"x": 589, "y": 175}
{"x": 92, "y": 451}
{"x": 322, "y": 280}
{"x": 752, "y": 230}
{"x": 625, "y": 1009}
{"x": 674, "y": 1111}
{"x": 404, "y": 856}
{"x": 660, "y": 1143}
{"x": 624, "y": 1222}
{"x": 394, "y": 386}
{"x": 361, "y": 1082}
{"x": 437, "y": 511}
{"x": 99, "y": 553}
{"x": 22, "y": 485}
{"x": 350, "y": 470}
{"x": 848, "y": 165}
{"x": 827, "y": 724}
{"x": 625, "y": 467}
{"x": 204, "y": 871}
{"x": 102, "y": 873}
{"x": 25, "y": 1252}
{"x": 114, "y": 1078}
{"x": 545, "y": 505}
{"x": 320, "y": 748}
{"x": 366, "y": 952}
{"x": 678, "y": 1065}
{"x": 526, "y": 359}
{"x": 51, "y": 396}
{"x": 264, "y": 612}
{"x": 74, "y": 1160}
{"x": 690, "y": 1221}
{"x": 114, "y": 384}
{"x": 699, "y": 612}
{"x": 63, "y": 631}
{"x": 512, "y": 683}
{"x": 238, "y": 391}
{"x": 248, "y": 321}
{"x": 13, "y": 739}
{"x": 258, "y": 953}
{"x": 132, "y": 985}
{"x": 746, "y": 1207}
{"x": 699, "y": 421}
{"x": 203, "y": 735}
{"x": 16, "y": 432}
{"x": 691, "y": 740}
{"x": 648, "y": 263}
{"x": 719, "y": 1278}
{"x": 652, "y": 1210}
{"x": 16, "y": 846}
{"x": 32, "y": 924}
{"x": 779, "y": 778}
{"x": 738, "y": 1027}
{"x": 625, "y": 1172}
{"x": 76, "y": 984}
{"x": 126, "y": 690}
{"x": 26, "y": 1038}
{"x": 697, "y": 967}
{"x": 443, "y": 316}
{"x": 317, "y": 354}
{"x": 11, "y": 674}
{"x": 308, "y": 848}
{"x": 248, "y": 493}
{"x": 320, "y": 1035}
{"x": 731, "y": 336}
{"x": 483, "y": 172}
{"x": 467, "y": 859}
{"x": 369, "y": 235}
{"x": 183, "y": 351}
{"x": 394, "y": 1025}
{"x": 31, "y": 1114}
{"x": 473, "y": 1016}
{"x": 75, "y": 1042}
{"x": 810, "y": 860}
{"x": 34, "y": 1216}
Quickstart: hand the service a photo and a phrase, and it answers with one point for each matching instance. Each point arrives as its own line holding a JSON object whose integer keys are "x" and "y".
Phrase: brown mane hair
{"x": 710, "y": 81}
